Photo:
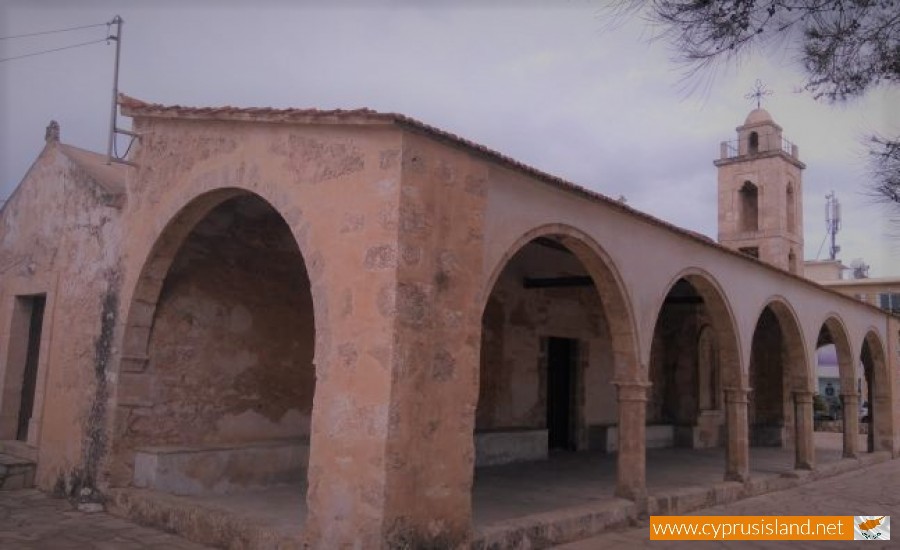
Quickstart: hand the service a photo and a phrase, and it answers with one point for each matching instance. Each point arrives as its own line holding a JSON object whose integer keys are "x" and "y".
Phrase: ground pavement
{"x": 31, "y": 520}
{"x": 871, "y": 491}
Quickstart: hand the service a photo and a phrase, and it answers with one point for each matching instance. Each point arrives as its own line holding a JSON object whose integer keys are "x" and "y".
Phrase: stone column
{"x": 737, "y": 450}
{"x": 803, "y": 430}
{"x": 879, "y": 421}
{"x": 850, "y": 405}
{"x": 631, "y": 467}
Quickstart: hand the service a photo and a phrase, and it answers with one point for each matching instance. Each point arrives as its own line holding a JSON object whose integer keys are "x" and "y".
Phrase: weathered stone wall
{"x": 437, "y": 258}
{"x": 60, "y": 236}
{"x": 338, "y": 190}
{"x": 513, "y": 376}
{"x": 231, "y": 349}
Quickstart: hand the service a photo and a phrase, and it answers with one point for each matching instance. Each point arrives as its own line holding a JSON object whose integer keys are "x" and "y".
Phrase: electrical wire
{"x": 54, "y": 50}
{"x": 52, "y": 32}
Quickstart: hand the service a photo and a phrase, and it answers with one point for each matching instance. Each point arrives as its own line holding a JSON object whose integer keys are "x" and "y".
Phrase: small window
{"x": 750, "y": 251}
{"x": 792, "y": 262}
{"x": 890, "y": 301}
{"x": 753, "y": 143}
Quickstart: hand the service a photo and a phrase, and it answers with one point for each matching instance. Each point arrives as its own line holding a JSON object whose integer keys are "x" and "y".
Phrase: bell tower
{"x": 761, "y": 194}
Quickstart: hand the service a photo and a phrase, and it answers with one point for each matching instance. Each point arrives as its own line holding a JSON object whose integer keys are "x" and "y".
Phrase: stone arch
{"x": 695, "y": 368}
{"x": 833, "y": 332}
{"x": 606, "y": 279}
{"x": 781, "y": 382}
{"x": 184, "y": 217}
{"x": 723, "y": 321}
{"x": 874, "y": 362}
{"x": 582, "y": 304}
{"x": 801, "y": 377}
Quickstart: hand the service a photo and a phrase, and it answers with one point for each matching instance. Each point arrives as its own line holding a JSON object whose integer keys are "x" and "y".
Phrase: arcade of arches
{"x": 380, "y": 320}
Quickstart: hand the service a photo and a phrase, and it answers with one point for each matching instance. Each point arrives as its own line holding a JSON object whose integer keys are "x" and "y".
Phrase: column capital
{"x": 632, "y": 390}
{"x": 803, "y": 396}
{"x": 850, "y": 396}
{"x": 735, "y": 394}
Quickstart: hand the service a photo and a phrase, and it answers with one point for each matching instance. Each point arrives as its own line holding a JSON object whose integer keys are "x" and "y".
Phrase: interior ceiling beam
{"x": 558, "y": 282}
{"x": 683, "y": 300}
{"x": 551, "y": 243}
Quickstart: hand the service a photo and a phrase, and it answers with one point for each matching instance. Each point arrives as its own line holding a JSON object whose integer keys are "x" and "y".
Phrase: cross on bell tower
{"x": 759, "y": 91}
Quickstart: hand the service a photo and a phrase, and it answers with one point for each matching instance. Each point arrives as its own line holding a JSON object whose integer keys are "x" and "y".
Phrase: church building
{"x": 345, "y": 328}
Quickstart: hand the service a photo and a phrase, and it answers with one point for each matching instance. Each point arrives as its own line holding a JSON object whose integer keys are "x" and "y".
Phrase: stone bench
{"x": 221, "y": 468}
{"x": 493, "y": 447}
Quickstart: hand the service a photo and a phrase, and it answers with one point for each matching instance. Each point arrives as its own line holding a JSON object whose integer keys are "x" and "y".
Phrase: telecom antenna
{"x": 833, "y": 221}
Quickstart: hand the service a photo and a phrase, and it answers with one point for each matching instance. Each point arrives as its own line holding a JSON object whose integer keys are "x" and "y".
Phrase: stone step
{"x": 19, "y": 449}
{"x": 16, "y": 473}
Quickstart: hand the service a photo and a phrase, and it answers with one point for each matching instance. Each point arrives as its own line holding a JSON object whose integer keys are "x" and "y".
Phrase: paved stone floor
{"x": 872, "y": 491}
{"x": 575, "y": 479}
{"x": 31, "y": 520}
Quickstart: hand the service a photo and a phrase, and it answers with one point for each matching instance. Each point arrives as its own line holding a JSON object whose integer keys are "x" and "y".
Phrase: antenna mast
{"x": 833, "y": 221}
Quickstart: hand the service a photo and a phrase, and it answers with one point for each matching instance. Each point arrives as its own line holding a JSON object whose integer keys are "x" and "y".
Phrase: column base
{"x": 740, "y": 477}
{"x": 636, "y": 494}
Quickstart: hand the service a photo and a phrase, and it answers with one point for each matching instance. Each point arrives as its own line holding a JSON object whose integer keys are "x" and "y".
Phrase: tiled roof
{"x": 136, "y": 108}
{"x": 109, "y": 177}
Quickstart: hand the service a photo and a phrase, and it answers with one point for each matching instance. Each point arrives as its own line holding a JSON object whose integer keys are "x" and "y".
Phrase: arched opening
{"x": 836, "y": 402}
{"x": 217, "y": 378}
{"x": 693, "y": 360}
{"x": 753, "y": 143}
{"x": 875, "y": 396}
{"x": 749, "y": 199}
{"x": 552, "y": 343}
{"x": 791, "y": 209}
{"x": 684, "y": 372}
{"x": 781, "y": 398}
{"x": 545, "y": 339}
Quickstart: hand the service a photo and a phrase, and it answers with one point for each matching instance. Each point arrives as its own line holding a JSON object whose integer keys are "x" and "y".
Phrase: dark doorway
{"x": 29, "y": 375}
{"x": 561, "y": 356}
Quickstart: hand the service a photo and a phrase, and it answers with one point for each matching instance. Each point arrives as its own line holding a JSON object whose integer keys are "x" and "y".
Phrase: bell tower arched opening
{"x": 749, "y": 198}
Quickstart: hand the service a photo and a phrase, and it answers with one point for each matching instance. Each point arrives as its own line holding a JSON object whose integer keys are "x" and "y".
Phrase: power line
{"x": 52, "y": 32}
{"x": 54, "y": 50}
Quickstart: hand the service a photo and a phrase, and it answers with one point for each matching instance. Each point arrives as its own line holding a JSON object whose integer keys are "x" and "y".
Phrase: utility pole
{"x": 117, "y": 21}
{"x": 114, "y": 130}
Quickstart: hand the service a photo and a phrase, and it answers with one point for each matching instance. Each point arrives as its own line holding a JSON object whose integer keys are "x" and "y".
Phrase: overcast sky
{"x": 549, "y": 83}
